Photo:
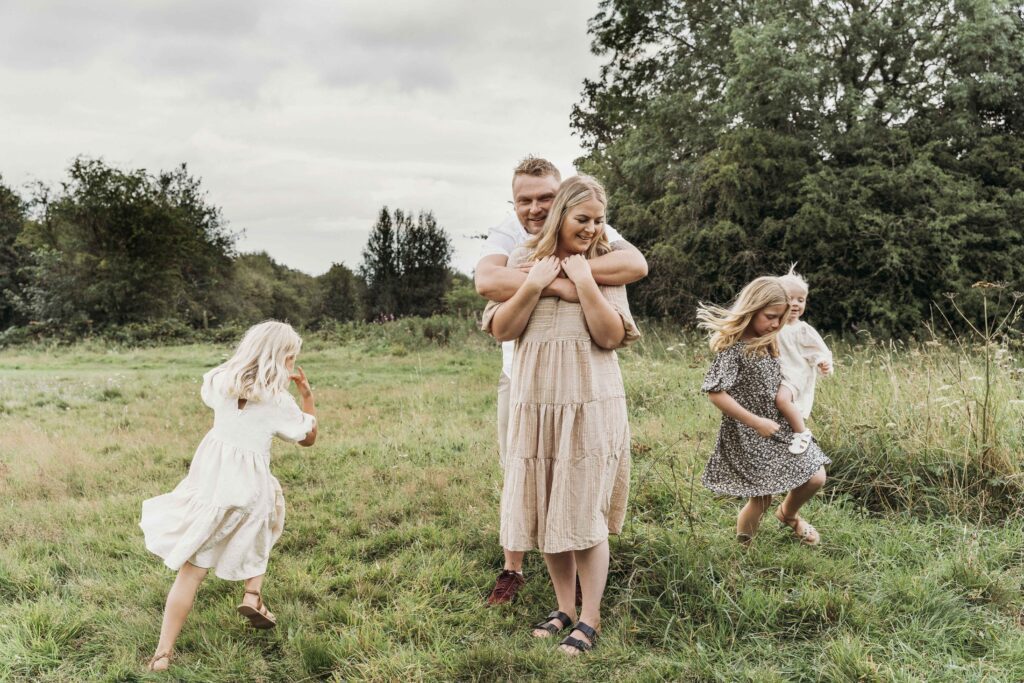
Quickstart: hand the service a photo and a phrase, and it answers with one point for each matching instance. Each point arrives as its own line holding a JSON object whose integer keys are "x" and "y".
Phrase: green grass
{"x": 390, "y": 543}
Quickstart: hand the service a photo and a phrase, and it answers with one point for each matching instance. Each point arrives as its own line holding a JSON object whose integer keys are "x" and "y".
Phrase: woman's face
{"x": 582, "y": 226}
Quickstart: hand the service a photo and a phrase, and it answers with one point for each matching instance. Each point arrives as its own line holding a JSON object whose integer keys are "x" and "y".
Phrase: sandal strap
{"x": 586, "y": 630}
{"x": 546, "y": 625}
{"x": 581, "y": 645}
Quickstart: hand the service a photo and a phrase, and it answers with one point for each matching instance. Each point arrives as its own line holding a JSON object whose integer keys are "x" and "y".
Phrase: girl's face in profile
{"x": 582, "y": 226}
{"x": 767, "y": 320}
{"x": 289, "y": 362}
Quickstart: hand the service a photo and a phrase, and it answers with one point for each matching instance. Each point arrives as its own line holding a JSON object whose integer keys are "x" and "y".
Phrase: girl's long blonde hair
{"x": 257, "y": 368}
{"x": 572, "y": 192}
{"x": 727, "y": 325}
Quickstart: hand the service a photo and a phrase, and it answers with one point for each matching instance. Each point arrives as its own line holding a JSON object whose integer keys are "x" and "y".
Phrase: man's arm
{"x": 624, "y": 265}
{"x": 495, "y": 281}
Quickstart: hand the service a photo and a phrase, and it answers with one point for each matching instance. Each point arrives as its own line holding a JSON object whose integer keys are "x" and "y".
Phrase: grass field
{"x": 390, "y": 543}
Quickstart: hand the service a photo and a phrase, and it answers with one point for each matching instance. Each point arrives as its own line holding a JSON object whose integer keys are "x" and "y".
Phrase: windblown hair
{"x": 727, "y": 325}
{"x": 257, "y": 368}
{"x": 535, "y": 166}
{"x": 795, "y": 280}
{"x": 572, "y": 192}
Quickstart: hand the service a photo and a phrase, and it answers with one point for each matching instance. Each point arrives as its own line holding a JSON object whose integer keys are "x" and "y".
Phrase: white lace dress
{"x": 228, "y": 511}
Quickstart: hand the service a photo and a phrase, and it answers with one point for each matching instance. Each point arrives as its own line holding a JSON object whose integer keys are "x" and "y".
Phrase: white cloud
{"x": 302, "y": 119}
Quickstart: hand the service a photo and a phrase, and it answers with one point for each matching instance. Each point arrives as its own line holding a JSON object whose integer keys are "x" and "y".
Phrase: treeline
{"x": 110, "y": 248}
{"x": 879, "y": 145}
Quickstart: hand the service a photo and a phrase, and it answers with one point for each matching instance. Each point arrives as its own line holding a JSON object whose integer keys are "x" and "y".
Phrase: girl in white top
{"x": 803, "y": 355}
{"x": 228, "y": 511}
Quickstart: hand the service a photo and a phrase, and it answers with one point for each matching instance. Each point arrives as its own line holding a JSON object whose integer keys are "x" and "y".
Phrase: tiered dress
{"x": 744, "y": 462}
{"x": 228, "y": 511}
{"x": 568, "y": 455}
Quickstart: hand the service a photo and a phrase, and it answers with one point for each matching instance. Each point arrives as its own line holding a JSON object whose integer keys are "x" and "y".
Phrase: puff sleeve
{"x": 291, "y": 423}
{"x": 724, "y": 371}
{"x": 616, "y": 296}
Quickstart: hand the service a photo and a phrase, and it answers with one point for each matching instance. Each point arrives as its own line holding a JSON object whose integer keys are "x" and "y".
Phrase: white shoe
{"x": 801, "y": 442}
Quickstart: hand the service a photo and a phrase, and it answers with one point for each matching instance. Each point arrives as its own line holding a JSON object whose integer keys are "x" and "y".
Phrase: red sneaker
{"x": 506, "y": 587}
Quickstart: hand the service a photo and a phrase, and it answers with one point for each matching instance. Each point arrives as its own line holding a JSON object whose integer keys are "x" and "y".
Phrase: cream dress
{"x": 228, "y": 511}
{"x": 568, "y": 459}
{"x": 801, "y": 348}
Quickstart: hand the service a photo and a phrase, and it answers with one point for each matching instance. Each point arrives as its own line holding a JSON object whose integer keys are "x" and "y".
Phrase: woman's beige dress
{"x": 567, "y": 465}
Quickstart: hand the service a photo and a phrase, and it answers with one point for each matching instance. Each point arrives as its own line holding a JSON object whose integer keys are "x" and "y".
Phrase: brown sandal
{"x": 260, "y": 617}
{"x": 802, "y": 529}
{"x": 169, "y": 656}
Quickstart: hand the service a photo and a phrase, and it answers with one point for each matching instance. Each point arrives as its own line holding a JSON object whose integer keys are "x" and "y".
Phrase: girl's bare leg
{"x": 796, "y": 498}
{"x": 749, "y": 519}
{"x": 179, "y": 603}
{"x": 254, "y": 584}
{"x": 784, "y": 402}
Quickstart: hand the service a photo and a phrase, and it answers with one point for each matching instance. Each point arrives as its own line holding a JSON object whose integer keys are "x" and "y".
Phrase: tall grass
{"x": 391, "y": 539}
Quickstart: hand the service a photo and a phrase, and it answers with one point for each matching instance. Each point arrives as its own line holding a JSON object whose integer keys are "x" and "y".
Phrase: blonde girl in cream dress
{"x": 228, "y": 511}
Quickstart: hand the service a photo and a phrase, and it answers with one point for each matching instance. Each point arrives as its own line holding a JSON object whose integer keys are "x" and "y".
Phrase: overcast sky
{"x": 301, "y": 118}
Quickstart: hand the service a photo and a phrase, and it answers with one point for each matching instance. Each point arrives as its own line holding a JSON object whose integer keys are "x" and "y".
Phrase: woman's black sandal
{"x": 581, "y": 645}
{"x": 546, "y": 625}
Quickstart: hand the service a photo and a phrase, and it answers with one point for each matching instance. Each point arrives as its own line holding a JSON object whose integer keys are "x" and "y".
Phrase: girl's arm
{"x": 604, "y": 322}
{"x": 815, "y": 350}
{"x": 728, "y": 405}
{"x": 308, "y": 406}
{"x": 510, "y": 318}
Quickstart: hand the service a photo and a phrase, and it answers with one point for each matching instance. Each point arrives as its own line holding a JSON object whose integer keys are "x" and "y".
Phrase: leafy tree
{"x": 339, "y": 295}
{"x": 405, "y": 265}
{"x": 262, "y": 288}
{"x": 877, "y": 144}
{"x": 12, "y": 256}
{"x": 112, "y": 247}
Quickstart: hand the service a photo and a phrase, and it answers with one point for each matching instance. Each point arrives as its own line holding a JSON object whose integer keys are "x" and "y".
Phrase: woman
{"x": 567, "y": 466}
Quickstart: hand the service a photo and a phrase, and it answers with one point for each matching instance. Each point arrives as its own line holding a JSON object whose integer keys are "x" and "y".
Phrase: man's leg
{"x": 511, "y": 578}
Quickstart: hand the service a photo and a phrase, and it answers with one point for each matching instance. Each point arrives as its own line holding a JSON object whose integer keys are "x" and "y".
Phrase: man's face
{"x": 532, "y": 197}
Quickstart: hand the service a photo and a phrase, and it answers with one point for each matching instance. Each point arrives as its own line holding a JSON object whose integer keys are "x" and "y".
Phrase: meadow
{"x": 390, "y": 544}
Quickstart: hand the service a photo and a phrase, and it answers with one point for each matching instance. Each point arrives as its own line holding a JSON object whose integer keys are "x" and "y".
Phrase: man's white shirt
{"x": 502, "y": 240}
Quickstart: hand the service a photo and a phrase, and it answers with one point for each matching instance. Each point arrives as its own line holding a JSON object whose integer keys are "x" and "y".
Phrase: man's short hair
{"x": 536, "y": 166}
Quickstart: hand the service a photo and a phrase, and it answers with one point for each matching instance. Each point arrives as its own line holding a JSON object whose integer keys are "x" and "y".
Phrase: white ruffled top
{"x": 801, "y": 348}
{"x": 228, "y": 511}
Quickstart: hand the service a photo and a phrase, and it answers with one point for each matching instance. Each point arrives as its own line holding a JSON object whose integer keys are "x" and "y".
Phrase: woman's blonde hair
{"x": 727, "y": 325}
{"x": 795, "y": 279}
{"x": 572, "y": 192}
{"x": 257, "y": 368}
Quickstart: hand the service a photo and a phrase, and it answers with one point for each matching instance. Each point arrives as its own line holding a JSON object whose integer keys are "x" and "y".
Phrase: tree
{"x": 339, "y": 296}
{"x": 878, "y": 144}
{"x": 12, "y": 257}
{"x": 405, "y": 265}
{"x": 113, "y": 247}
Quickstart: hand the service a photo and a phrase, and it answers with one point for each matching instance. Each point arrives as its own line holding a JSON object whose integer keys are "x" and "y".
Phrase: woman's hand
{"x": 543, "y": 273}
{"x": 766, "y": 427}
{"x": 577, "y": 267}
{"x": 301, "y": 382}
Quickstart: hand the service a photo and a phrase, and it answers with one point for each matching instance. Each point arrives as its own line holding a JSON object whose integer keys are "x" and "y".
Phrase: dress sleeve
{"x": 208, "y": 391}
{"x": 616, "y": 296}
{"x": 292, "y": 424}
{"x": 520, "y": 255}
{"x": 813, "y": 347}
{"x": 724, "y": 371}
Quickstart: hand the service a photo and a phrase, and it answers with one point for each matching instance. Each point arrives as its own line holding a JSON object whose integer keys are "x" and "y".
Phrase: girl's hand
{"x": 766, "y": 427}
{"x": 543, "y": 272}
{"x": 301, "y": 382}
{"x": 577, "y": 268}
{"x": 824, "y": 367}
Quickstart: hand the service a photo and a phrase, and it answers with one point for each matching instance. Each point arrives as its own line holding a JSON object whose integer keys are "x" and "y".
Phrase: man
{"x": 535, "y": 182}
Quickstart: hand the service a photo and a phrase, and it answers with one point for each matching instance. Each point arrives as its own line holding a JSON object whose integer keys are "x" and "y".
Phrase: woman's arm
{"x": 604, "y": 322}
{"x": 728, "y": 405}
{"x": 511, "y": 317}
